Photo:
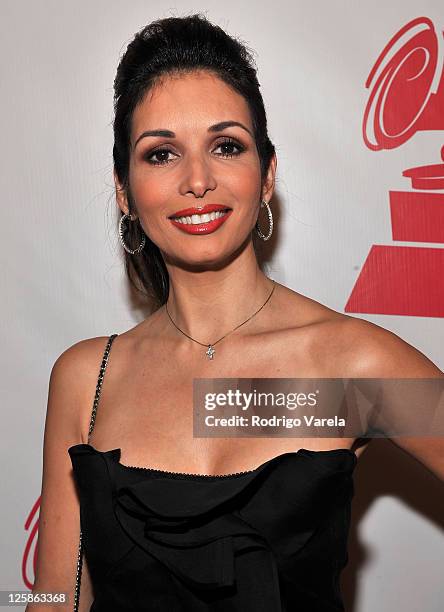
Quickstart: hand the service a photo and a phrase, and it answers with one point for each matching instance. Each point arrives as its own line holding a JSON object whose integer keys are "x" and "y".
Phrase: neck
{"x": 209, "y": 303}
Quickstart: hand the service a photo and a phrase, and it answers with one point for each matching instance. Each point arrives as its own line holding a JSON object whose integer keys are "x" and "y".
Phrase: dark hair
{"x": 169, "y": 46}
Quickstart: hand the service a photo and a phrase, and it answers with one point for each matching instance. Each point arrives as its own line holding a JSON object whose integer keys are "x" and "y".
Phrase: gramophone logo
{"x": 407, "y": 96}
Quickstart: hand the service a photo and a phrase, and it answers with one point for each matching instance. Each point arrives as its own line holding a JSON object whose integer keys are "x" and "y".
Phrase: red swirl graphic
{"x": 402, "y": 90}
{"x": 31, "y": 545}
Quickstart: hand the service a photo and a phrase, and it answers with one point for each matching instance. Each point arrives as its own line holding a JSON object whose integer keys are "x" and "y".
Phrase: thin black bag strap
{"x": 99, "y": 383}
{"x": 91, "y": 427}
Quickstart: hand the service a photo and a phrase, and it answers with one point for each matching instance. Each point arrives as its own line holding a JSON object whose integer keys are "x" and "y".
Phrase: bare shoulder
{"x": 374, "y": 352}
{"x": 370, "y": 350}
{"x": 72, "y": 384}
{"x": 79, "y": 357}
{"x": 348, "y": 346}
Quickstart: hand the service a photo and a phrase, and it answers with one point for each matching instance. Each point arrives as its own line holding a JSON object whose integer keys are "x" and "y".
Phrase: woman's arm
{"x": 379, "y": 353}
{"x": 71, "y": 390}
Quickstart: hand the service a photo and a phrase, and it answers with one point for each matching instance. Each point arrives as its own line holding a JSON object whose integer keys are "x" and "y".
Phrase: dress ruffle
{"x": 193, "y": 528}
{"x": 197, "y": 527}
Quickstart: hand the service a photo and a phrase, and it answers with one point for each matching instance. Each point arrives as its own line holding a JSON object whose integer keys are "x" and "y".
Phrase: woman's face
{"x": 197, "y": 161}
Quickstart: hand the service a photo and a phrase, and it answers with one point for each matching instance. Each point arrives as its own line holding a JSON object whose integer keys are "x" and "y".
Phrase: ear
{"x": 270, "y": 179}
{"x": 121, "y": 198}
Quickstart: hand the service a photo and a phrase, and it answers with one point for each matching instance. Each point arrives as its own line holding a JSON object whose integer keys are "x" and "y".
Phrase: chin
{"x": 204, "y": 260}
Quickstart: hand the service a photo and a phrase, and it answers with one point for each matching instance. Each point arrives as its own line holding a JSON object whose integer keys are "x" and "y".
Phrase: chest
{"x": 146, "y": 404}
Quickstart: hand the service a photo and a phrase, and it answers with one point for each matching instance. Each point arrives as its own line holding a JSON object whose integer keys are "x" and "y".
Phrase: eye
{"x": 163, "y": 153}
{"x": 229, "y": 143}
{"x": 159, "y": 157}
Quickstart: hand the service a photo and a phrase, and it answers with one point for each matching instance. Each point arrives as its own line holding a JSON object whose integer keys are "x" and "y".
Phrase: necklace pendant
{"x": 210, "y": 352}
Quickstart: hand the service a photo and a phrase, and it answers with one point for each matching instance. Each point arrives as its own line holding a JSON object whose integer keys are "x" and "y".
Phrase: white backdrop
{"x": 62, "y": 273}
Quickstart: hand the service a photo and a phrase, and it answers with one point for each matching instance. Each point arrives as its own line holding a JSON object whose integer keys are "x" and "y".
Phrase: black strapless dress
{"x": 272, "y": 539}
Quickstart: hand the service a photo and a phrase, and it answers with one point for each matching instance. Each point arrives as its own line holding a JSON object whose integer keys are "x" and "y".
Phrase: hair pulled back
{"x": 168, "y": 46}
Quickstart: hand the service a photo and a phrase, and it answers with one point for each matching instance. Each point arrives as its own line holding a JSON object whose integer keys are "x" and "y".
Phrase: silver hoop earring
{"x": 270, "y": 222}
{"x": 122, "y": 240}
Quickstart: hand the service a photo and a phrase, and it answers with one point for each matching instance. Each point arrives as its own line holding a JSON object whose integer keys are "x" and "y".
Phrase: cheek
{"x": 245, "y": 182}
{"x": 149, "y": 193}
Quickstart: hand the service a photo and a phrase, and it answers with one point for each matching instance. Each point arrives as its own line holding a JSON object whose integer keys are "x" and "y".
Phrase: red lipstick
{"x": 187, "y": 212}
{"x": 205, "y": 227}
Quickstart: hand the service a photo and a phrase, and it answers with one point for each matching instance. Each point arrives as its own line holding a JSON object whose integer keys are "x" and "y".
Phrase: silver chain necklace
{"x": 210, "y": 350}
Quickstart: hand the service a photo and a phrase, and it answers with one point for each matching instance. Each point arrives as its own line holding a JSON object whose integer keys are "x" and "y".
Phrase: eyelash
{"x": 226, "y": 140}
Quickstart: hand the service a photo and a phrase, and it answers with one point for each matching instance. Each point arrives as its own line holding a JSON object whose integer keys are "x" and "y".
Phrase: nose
{"x": 197, "y": 177}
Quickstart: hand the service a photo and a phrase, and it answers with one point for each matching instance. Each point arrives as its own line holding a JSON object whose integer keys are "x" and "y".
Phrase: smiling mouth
{"x": 197, "y": 219}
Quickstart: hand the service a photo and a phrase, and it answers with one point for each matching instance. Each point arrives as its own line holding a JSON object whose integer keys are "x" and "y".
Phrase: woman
{"x": 172, "y": 522}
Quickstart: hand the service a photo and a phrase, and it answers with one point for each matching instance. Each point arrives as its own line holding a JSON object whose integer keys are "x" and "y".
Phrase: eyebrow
{"x": 217, "y": 127}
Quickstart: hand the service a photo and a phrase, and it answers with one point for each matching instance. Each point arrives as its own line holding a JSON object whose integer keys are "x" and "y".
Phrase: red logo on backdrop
{"x": 30, "y": 552}
{"x": 407, "y": 96}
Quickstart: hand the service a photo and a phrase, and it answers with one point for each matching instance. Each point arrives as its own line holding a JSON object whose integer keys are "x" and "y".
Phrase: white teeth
{"x": 199, "y": 218}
